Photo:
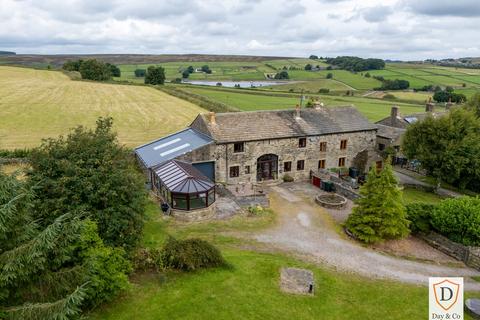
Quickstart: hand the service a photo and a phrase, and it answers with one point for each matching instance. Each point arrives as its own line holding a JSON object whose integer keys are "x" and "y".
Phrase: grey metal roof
{"x": 275, "y": 124}
{"x": 170, "y": 147}
{"x": 182, "y": 177}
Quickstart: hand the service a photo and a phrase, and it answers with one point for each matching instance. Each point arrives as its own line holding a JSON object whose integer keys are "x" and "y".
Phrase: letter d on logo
{"x": 446, "y": 298}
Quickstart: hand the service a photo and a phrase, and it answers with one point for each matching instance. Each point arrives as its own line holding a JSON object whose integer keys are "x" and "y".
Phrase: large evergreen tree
{"x": 51, "y": 272}
{"x": 379, "y": 213}
{"x": 89, "y": 171}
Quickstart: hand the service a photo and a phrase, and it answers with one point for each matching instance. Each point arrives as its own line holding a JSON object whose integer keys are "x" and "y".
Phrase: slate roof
{"x": 389, "y": 132}
{"x": 170, "y": 147}
{"x": 403, "y": 121}
{"x": 264, "y": 125}
{"x": 182, "y": 177}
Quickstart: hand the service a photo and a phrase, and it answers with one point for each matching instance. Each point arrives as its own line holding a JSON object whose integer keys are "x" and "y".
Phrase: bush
{"x": 389, "y": 96}
{"x": 282, "y": 75}
{"x": 155, "y": 75}
{"x": 329, "y": 75}
{"x": 459, "y": 220}
{"x": 15, "y": 153}
{"x": 147, "y": 259}
{"x": 287, "y": 178}
{"x": 323, "y": 90}
{"x": 256, "y": 210}
{"x": 191, "y": 254}
{"x": 419, "y": 214}
{"x": 140, "y": 73}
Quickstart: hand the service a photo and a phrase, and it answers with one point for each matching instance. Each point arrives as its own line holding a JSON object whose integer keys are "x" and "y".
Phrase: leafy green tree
{"x": 474, "y": 104}
{"x": 93, "y": 69}
{"x": 308, "y": 67}
{"x": 379, "y": 213}
{"x": 185, "y": 74}
{"x": 329, "y": 75}
{"x": 72, "y": 65}
{"x": 190, "y": 69}
{"x": 88, "y": 170}
{"x": 155, "y": 75}
{"x": 313, "y": 57}
{"x": 448, "y": 147}
{"x": 206, "y": 69}
{"x": 114, "y": 70}
{"x": 282, "y": 75}
{"x": 459, "y": 219}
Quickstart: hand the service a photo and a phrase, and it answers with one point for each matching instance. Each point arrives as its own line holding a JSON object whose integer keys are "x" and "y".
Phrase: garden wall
{"x": 469, "y": 255}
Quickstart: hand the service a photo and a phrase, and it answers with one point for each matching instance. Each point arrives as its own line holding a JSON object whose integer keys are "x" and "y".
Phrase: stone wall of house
{"x": 286, "y": 150}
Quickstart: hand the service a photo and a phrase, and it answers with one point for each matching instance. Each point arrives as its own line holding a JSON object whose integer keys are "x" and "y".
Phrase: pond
{"x": 231, "y": 84}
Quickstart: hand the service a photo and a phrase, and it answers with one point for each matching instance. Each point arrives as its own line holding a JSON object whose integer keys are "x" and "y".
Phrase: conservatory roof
{"x": 170, "y": 147}
{"x": 182, "y": 177}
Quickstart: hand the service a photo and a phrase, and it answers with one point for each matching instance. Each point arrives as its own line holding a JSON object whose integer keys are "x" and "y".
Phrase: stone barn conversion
{"x": 259, "y": 146}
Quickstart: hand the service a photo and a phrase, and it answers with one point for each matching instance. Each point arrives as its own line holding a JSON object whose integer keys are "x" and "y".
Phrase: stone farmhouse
{"x": 253, "y": 147}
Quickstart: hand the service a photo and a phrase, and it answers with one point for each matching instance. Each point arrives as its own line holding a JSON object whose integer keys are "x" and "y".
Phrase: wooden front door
{"x": 267, "y": 167}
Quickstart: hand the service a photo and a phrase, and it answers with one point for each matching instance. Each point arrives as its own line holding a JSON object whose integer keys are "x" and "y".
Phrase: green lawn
{"x": 411, "y": 195}
{"x": 249, "y": 288}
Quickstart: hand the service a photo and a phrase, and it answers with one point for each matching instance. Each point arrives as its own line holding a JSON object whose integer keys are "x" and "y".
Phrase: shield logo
{"x": 446, "y": 293}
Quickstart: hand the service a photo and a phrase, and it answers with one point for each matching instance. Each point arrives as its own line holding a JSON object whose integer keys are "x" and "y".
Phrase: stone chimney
{"x": 393, "y": 115}
{"x": 211, "y": 117}
{"x": 429, "y": 107}
{"x": 297, "y": 112}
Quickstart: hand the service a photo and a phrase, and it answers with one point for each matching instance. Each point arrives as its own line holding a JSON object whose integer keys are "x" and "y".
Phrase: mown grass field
{"x": 373, "y": 109}
{"x": 249, "y": 289}
{"x": 418, "y": 75}
{"x": 36, "y": 104}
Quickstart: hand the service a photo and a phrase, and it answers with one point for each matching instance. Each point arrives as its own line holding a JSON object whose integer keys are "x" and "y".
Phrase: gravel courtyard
{"x": 309, "y": 230}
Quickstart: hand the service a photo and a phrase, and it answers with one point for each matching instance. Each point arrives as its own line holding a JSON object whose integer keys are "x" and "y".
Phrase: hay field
{"x": 36, "y": 104}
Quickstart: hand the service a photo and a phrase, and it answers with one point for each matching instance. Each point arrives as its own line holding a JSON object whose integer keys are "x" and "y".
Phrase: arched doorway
{"x": 267, "y": 167}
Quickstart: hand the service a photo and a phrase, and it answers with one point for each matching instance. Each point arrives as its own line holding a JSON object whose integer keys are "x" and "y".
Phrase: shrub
{"x": 140, "y": 73}
{"x": 191, "y": 254}
{"x": 287, "y": 178}
{"x": 93, "y": 69}
{"x": 459, "y": 220}
{"x": 282, "y": 75}
{"x": 329, "y": 75}
{"x": 147, "y": 259}
{"x": 255, "y": 210}
{"x": 389, "y": 96}
{"x": 15, "y": 153}
{"x": 419, "y": 215}
{"x": 323, "y": 90}
{"x": 155, "y": 75}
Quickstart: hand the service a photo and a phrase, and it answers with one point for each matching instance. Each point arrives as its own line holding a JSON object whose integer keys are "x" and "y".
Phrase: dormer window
{"x": 302, "y": 142}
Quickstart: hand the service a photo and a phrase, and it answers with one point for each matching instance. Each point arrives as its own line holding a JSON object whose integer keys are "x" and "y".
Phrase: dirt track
{"x": 305, "y": 228}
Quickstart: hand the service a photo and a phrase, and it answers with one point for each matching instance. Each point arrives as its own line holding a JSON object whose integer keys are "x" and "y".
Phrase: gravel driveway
{"x": 305, "y": 228}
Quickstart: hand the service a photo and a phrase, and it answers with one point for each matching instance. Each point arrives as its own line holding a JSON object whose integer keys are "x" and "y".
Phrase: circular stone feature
{"x": 473, "y": 307}
{"x": 331, "y": 201}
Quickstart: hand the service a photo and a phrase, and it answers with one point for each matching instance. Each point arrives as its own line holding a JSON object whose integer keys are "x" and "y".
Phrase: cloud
{"x": 459, "y": 8}
{"x": 396, "y": 29}
{"x": 376, "y": 14}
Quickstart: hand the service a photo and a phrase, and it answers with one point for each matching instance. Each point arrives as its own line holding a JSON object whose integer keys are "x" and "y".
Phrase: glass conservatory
{"x": 182, "y": 186}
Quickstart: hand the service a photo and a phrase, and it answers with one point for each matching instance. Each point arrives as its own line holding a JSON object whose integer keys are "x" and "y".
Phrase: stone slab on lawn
{"x": 297, "y": 281}
{"x": 473, "y": 307}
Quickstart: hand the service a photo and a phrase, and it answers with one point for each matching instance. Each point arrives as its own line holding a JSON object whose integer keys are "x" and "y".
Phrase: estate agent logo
{"x": 446, "y": 298}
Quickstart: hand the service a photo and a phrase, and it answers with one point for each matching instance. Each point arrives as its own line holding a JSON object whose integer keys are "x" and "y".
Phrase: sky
{"x": 388, "y": 29}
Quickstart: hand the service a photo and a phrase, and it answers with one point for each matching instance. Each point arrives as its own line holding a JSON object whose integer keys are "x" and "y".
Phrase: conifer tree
{"x": 380, "y": 213}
